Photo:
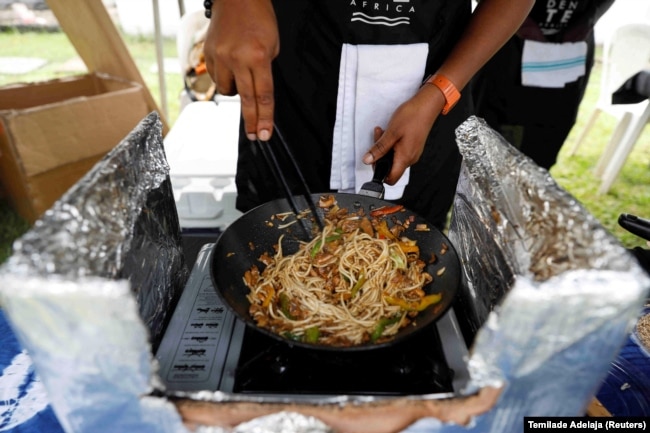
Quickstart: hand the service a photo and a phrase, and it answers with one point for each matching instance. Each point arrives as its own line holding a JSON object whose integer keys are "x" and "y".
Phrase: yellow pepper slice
{"x": 383, "y": 231}
{"x": 413, "y": 306}
{"x": 269, "y": 296}
{"x": 408, "y": 247}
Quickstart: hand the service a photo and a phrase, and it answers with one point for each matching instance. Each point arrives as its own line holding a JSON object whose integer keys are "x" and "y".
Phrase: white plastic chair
{"x": 625, "y": 53}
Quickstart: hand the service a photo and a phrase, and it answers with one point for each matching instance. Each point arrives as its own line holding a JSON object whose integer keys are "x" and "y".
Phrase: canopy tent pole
{"x": 160, "y": 58}
{"x": 98, "y": 42}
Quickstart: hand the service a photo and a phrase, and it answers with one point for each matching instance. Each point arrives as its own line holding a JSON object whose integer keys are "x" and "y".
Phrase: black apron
{"x": 312, "y": 33}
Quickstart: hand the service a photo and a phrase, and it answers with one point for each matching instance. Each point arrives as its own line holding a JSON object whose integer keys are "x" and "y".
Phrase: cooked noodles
{"x": 358, "y": 281}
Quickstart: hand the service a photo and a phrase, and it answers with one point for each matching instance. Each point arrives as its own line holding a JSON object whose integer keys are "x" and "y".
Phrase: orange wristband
{"x": 448, "y": 89}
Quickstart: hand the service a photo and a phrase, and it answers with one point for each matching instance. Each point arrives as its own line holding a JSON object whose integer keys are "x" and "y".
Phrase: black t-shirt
{"x": 312, "y": 33}
{"x": 553, "y": 16}
{"x": 556, "y": 17}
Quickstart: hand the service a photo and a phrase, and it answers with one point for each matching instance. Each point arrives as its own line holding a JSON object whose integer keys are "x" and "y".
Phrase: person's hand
{"x": 407, "y": 131}
{"x": 529, "y": 30}
{"x": 241, "y": 43}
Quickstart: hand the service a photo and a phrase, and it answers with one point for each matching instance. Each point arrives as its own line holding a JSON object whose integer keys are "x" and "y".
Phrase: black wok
{"x": 243, "y": 242}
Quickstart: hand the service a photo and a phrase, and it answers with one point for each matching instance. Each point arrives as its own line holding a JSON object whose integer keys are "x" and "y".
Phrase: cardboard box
{"x": 53, "y": 132}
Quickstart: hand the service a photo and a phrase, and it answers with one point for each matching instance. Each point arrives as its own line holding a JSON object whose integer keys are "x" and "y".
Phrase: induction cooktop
{"x": 206, "y": 347}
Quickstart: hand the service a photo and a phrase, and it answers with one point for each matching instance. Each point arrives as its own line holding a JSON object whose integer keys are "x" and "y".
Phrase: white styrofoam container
{"x": 201, "y": 148}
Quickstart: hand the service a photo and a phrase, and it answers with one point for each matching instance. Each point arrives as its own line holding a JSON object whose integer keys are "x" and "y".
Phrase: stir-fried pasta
{"x": 358, "y": 281}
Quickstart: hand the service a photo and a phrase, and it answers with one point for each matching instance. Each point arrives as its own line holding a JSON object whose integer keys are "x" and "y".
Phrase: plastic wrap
{"x": 549, "y": 295}
{"x": 90, "y": 349}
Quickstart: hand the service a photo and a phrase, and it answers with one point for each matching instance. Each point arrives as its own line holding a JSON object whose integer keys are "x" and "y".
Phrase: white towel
{"x": 552, "y": 65}
{"x": 373, "y": 81}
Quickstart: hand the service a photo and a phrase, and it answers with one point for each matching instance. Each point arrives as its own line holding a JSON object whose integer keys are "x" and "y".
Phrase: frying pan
{"x": 238, "y": 248}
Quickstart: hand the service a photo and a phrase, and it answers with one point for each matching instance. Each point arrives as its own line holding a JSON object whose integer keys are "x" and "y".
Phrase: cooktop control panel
{"x": 193, "y": 351}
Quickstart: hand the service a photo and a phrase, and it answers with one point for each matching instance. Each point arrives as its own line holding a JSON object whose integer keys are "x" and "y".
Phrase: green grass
{"x": 629, "y": 194}
{"x": 56, "y": 48}
{"x": 11, "y": 227}
{"x": 53, "y": 47}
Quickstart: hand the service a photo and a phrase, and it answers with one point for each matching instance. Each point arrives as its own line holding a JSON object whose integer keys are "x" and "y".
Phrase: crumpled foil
{"x": 118, "y": 222}
{"x": 89, "y": 289}
{"x": 549, "y": 294}
{"x": 565, "y": 293}
{"x": 277, "y": 422}
{"x": 510, "y": 218}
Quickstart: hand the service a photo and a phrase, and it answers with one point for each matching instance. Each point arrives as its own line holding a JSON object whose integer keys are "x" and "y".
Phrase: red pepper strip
{"x": 412, "y": 306}
{"x": 386, "y": 210}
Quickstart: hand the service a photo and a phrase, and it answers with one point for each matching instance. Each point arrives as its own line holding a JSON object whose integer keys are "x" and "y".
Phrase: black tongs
{"x": 269, "y": 149}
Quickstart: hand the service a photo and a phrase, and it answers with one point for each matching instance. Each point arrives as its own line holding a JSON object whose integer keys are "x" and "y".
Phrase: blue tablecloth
{"x": 626, "y": 389}
{"x": 24, "y": 407}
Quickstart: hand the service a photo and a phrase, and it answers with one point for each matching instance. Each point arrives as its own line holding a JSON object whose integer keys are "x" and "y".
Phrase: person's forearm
{"x": 492, "y": 24}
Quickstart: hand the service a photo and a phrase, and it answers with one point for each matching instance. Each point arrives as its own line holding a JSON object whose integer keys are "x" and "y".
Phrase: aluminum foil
{"x": 550, "y": 293}
{"x": 89, "y": 288}
{"x": 118, "y": 222}
{"x": 510, "y": 218}
{"x": 282, "y": 422}
{"x": 550, "y": 336}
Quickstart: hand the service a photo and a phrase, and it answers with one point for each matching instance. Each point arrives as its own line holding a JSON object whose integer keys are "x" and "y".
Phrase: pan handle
{"x": 383, "y": 166}
{"x": 635, "y": 225}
